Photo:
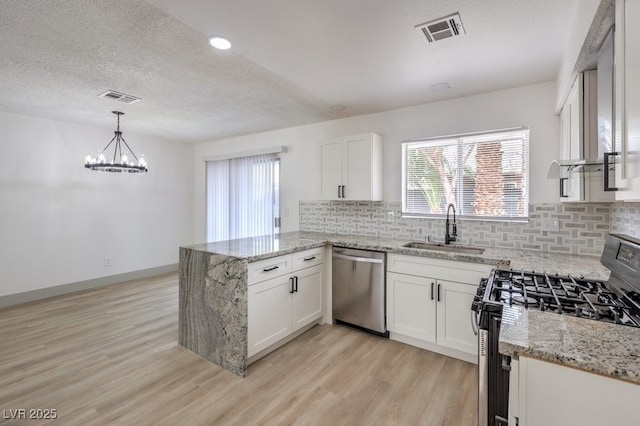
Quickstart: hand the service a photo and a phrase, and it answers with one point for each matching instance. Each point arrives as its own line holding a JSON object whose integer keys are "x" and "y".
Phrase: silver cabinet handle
{"x": 474, "y": 322}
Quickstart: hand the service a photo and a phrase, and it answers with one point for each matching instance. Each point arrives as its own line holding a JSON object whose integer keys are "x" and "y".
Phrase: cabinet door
{"x": 627, "y": 98}
{"x": 306, "y": 304}
{"x": 454, "y": 324}
{"x": 572, "y": 139}
{"x": 356, "y": 167}
{"x": 411, "y": 306}
{"x": 269, "y": 313}
{"x": 330, "y": 169}
{"x": 551, "y": 394}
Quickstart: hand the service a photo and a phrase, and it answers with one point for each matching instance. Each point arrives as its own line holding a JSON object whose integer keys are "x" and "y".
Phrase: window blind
{"x": 242, "y": 197}
{"x": 485, "y": 175}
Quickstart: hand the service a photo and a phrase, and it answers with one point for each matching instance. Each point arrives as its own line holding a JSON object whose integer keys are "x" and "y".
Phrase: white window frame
{"x": 459, "y": 141}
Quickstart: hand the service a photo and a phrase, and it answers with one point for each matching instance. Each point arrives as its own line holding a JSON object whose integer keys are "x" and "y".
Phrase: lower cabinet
{"x": 269, "y": 313}
{"x": 411, "y": 306}
{"x": 429, "y": 303}
{"x": 280, "y": 306}
{"x": 550, "y": 394}
{"x": 306, "y": 301}
{"x": 453, "y": 316}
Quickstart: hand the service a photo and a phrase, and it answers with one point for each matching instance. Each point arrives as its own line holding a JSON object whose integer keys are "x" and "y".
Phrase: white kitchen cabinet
{"x": 269, "y": 313}
{"x": 627, "y": 100}
{"x": 307, "y": 298}
{"x": 351, "y": 168}
{"x": 411, "y": 306}
{"x": 454, "y": 304}
{"x": 429, "y": 303}
{"x": 552, "y": 394}
{"x": 282, "y": 305}
{"x": 579, "y": 141}
{"x": 571, "y": 146}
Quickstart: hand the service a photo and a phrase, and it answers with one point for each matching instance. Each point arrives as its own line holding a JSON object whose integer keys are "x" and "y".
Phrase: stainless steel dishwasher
{"x": 358, "y": 289}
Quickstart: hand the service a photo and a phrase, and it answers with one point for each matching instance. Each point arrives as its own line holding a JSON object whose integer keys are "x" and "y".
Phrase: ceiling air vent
{"x": 438, "y": 29}
{"x": 119, "y": 97}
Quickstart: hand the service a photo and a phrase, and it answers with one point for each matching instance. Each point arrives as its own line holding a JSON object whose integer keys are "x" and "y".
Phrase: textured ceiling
{"x": 291, "y": 59}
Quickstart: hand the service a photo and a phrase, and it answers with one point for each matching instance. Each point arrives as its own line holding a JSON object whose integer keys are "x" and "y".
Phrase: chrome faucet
{"x": 450, "y": 237}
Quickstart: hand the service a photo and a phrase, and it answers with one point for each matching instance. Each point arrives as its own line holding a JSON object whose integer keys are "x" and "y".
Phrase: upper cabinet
{"x": 351, "y": 168}
{"x": 627, "y": 100}
{"x": 572, "y": 127}
{"x": 582, "y": 176}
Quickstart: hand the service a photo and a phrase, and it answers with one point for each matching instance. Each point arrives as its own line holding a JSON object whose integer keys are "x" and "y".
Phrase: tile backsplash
{"x": 582, "y": 227}
{"x": 625, "y": 219}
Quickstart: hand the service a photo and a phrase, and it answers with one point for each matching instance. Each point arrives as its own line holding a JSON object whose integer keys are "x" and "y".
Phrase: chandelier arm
{"x": 115, "y": 151}
{"x": 110, "y": 142}
{"x": 127, "y": 145}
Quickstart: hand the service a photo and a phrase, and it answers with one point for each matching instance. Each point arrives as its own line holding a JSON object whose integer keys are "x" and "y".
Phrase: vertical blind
{"x": 484, "y": 175}
{"x": 242, "y": 197}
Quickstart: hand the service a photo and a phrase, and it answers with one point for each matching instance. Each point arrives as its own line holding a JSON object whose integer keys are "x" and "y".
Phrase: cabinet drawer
{"x": 268, "y": 268}
{"x": 308, "y": 258}
{"x": 452, "y": 270}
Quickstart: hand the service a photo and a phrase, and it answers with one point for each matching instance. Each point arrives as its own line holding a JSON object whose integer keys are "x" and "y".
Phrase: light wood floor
{"x": 109, "y": 356}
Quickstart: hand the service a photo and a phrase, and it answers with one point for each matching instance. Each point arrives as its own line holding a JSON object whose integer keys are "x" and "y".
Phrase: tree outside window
{"x": 485, "y": 175}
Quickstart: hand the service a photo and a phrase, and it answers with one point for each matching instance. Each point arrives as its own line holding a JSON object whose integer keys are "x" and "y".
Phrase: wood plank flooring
{"x": 110, "y": 356}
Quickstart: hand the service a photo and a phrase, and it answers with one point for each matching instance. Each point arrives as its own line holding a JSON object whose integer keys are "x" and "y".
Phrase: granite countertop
{"x": 257, "y": 248}
{"x": 595, "y": 346}
{"x": 603, "y": 348}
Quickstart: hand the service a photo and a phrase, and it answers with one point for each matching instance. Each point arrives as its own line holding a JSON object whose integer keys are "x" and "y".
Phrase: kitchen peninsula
{"x": 214, "y": 279}
{"x": 213, "y": 294}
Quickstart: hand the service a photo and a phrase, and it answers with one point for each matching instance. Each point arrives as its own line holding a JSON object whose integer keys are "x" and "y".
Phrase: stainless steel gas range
{"x": 616, "y": 300}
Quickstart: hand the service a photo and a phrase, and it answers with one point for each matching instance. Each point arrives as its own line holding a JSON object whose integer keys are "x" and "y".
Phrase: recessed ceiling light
{"x": 440, "y": 87}
{"x": 219, "y": 42}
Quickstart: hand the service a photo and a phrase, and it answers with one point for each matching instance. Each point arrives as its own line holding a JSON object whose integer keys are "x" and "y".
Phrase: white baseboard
{"x": 44, "y": 293}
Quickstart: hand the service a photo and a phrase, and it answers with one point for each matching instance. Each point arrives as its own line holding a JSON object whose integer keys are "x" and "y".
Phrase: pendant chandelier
{"x": 120, "y": 161}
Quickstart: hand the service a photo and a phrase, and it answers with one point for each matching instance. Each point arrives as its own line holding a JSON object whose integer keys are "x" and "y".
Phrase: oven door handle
{"x": 474, "y": 322}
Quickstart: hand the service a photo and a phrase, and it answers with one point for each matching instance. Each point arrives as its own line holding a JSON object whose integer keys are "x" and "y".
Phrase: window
{"x": 243, "y": 197}
{"x": 485, "y": 175}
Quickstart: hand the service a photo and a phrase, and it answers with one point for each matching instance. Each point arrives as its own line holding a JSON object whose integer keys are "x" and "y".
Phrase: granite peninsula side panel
{"x": 213, "y": 308}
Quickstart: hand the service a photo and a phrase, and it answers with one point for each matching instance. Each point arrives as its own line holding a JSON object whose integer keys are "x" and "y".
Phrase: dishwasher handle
{"x": 357, "y": 259}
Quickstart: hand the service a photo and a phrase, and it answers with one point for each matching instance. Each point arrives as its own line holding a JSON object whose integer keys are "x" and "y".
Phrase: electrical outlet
{"x": 107, "y": 261}
{"x": 550, "y": 224}
{"x": 390, "y": 216}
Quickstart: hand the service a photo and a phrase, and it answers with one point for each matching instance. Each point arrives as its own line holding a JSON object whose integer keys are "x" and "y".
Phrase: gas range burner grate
{"x": 562, "y": 294}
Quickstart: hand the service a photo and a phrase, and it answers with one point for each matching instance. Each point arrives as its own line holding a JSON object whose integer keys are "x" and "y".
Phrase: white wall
{"x": 531, "y": 106}
{"x": 58, "y": 221}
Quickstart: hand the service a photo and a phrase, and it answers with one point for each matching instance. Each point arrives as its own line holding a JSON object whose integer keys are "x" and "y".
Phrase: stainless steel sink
{"x": 443, "y": 247}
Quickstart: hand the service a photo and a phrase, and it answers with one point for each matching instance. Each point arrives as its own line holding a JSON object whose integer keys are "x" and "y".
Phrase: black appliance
{"x": 616, "y": 300}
